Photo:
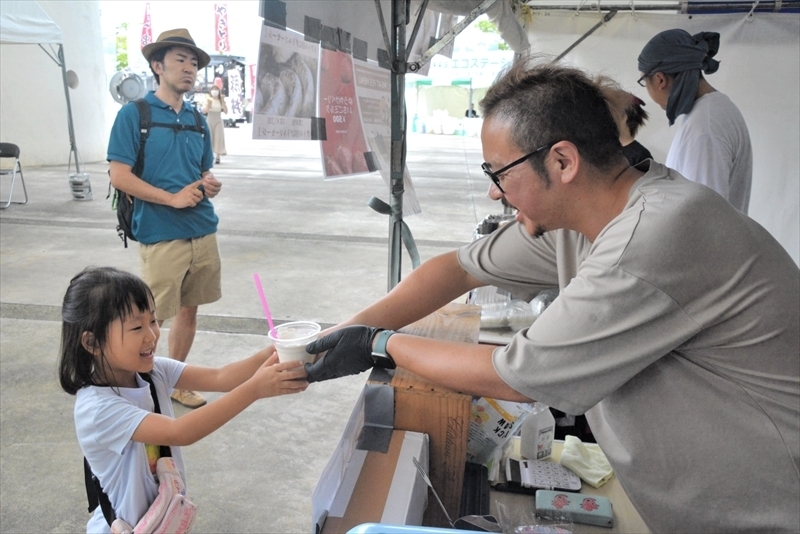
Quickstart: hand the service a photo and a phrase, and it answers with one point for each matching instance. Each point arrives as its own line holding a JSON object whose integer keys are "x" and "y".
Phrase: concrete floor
{"x": 321, "y": 254}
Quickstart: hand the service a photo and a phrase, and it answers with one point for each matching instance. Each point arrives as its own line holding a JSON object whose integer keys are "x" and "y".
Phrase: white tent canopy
{"x": 760, "y": 69}
{"x": 27, "y": 23}
{"x": 24, "y": 23}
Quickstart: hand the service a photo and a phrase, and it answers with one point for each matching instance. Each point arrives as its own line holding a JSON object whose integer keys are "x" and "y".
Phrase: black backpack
{"x": 122, "y": 202}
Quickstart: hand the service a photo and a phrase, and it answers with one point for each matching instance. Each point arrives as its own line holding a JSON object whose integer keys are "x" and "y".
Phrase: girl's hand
{"x": 273, "y": 378}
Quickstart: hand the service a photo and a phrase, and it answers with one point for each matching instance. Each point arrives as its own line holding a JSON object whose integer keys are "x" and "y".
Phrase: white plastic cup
{"x": 290, "y": 340}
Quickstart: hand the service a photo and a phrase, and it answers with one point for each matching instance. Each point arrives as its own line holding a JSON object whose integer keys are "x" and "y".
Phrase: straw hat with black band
{"x": 179, "y": 37}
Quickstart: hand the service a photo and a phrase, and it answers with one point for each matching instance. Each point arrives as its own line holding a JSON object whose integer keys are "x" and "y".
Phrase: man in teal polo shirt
{"x": 173, "y": 219}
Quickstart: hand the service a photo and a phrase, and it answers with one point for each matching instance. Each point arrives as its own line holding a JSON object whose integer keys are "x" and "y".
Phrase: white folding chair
{"x": 10, "y": 150}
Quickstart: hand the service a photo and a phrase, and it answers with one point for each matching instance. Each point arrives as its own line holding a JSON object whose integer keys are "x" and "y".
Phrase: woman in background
{"x": 213, "y": 107}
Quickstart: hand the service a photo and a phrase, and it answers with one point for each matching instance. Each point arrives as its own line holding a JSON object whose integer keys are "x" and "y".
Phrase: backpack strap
{"x": 199, "y": 120}
{"x": 144, "y": 131}
{"x": 96, "y": 495}
{"x": 198, "y": 125}
{"x": 164, "y": 450}
{"x": 94, "y": 491}
{"x": 145, "y": 124}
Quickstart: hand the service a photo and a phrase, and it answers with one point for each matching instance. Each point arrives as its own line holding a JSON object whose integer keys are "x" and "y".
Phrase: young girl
{"x": 109, "y": 335}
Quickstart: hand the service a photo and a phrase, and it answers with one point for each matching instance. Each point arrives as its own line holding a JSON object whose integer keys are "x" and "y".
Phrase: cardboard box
{"x": 382, "y": 487}
{"x": 400, "y": 400}
{"x": 439, "y": 412}
{"x": 442, "y": 414}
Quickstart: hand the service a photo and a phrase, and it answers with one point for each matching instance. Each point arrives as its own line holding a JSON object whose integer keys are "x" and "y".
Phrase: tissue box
{"x": 382, "y": 487}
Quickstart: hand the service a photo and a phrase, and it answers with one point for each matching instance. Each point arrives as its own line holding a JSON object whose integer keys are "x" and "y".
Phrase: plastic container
{"x": 536, "y": 433}
{"x": 290, "y": 340}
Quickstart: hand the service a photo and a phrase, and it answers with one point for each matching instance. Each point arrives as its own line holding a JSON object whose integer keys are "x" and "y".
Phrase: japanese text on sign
{"x": 283, "y": 39}
{"x": 221, "y": 16}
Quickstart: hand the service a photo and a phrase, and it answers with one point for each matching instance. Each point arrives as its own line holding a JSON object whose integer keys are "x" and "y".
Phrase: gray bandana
{"x": 676, "y": 52}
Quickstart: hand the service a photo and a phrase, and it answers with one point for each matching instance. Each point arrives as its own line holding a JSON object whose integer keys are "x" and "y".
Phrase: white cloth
{"x": 105, "y": 420}
{"x": 586, "y": 460}
{"x": 677, "y": 332}
{"x": 712, "y": 147}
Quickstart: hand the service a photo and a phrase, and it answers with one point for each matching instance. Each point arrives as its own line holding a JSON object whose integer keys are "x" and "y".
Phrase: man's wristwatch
{"x": 381, "y": 358}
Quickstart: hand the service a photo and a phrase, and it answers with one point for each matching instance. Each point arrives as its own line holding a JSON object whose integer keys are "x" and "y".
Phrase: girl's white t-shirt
{"x": 105, "y": 420}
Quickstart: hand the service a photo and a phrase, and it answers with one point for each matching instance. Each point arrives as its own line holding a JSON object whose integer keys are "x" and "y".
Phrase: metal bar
{"x": 777, "y": 5}
{"x": 398, "y": 147}
{"x": 449, "y": 36}
{"x": 417, "y": 24}
{"x": 72, "y": 146}
{"x": 383, "y": 27}
{"x": 609, "y": 16}
{"x": 50, "y": 55}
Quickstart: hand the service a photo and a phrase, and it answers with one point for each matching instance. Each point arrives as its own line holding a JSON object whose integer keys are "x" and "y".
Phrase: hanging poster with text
{"x": 374, "y": 102}
{"x": 286, "y": 86}
{"x": 344, "y": 148}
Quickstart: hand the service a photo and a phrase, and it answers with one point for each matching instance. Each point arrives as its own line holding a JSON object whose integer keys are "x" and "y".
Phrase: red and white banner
{"x": 222, "y": 36}
{"x": 251, "y": 91}
{"x": 147, "y": 27}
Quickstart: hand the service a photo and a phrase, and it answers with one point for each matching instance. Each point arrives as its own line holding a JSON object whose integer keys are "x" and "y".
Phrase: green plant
{"x": 122, "y": 46}
{"x": 487, "y": 26}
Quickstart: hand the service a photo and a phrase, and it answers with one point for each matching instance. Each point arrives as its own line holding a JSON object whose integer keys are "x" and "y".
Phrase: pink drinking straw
{"x": 264, "y": 304}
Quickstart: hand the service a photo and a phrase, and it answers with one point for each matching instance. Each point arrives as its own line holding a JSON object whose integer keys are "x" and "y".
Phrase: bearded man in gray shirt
{"x": 676, "y": 331}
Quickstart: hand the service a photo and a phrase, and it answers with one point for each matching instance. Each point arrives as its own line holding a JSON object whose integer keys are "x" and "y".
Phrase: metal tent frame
{"x": 27, "y": 23}
{"x": 398, "y": 47}
{"x": 400, "y": 66}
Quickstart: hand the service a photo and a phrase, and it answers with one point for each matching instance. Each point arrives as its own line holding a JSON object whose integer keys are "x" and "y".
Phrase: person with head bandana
{"x": 712, "y": 144}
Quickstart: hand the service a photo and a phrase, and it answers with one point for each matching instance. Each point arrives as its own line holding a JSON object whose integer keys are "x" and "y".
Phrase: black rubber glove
{"x": 349, "y": 353}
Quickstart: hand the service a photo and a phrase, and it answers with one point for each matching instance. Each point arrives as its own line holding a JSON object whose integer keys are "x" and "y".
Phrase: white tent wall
{"x": 759, "y": 71}
{"x": 452, "y": 98}
{"x": 34, "y": 108}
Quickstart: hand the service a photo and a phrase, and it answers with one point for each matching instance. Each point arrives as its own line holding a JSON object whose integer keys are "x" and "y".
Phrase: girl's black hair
{"x": 96, "y": 297}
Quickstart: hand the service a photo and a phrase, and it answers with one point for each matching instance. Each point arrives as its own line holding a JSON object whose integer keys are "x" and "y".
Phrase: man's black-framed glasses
{"x": 495, "y": 175}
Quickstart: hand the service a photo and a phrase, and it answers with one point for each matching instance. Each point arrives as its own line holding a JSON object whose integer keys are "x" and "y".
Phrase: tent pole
{"x": 398, "y": 148}
{"x": 417, "y": 24}
{"x": 682, "y": 7}
{"x": 608, "y": 16}
{"x": 73, "y": 149}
